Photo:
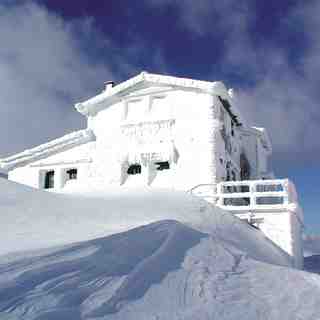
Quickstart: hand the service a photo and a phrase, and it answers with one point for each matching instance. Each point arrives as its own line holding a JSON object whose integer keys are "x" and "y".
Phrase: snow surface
{"x": 36, "y": 219}
{"x": 184, "y": 260}
{"x": 311, "y": 245}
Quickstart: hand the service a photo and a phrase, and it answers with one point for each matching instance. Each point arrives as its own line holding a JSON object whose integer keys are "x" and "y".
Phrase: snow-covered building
{"x": 151, "y": 130}
{"x": 156, "y": 131}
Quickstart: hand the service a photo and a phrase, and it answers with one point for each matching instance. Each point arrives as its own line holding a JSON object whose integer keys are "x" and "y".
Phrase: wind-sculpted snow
{"x": 312, "y": 263}
{"x": 129, "y": 263}
{"x": 311, "y": 245}
{"x": 177, "y": 258}
{"x": 164, "y": 270}
{"x": 33, "y": 219}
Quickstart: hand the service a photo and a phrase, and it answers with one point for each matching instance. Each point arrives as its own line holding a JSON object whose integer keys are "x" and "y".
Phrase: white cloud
{"x": 44, "y": 68}
{"x": 42, "y": 72}
{"x": 283, "y": 98}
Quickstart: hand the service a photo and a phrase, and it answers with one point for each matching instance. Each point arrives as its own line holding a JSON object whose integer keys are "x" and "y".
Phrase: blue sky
{"x": 54, "y": 53}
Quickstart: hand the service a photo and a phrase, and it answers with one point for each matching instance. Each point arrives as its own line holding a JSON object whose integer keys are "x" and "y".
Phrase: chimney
{"x": 108, "y": 85}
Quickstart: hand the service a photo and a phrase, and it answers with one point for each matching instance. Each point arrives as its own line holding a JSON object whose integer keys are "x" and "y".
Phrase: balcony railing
{"x": 249, "y": 195}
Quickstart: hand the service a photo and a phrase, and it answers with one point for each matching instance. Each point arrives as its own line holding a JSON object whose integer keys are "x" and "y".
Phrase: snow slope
{"x": 184, "y": 260}
{"x": 33, "y": 219}
{"x": 311, "y": 245}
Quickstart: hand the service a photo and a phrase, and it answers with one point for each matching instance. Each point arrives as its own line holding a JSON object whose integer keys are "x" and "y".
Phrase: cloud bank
{"x": 44, "y": 69}
{"x": 282, "y": 94}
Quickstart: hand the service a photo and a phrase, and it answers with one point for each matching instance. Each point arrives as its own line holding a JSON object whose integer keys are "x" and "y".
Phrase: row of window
{"x": 49, "y": 177}
{"x": 71, "y": 174}
{"x": 136, "y": 168}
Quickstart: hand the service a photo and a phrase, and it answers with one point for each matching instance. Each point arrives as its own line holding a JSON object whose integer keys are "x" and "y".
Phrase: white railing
{"x": 249, "y": 195}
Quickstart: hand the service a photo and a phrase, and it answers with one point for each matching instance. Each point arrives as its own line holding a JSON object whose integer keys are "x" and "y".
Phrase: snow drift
{"x": 181, "y": 259}
{"x": 33, "y": 219}
{"x": 164, "y": 270}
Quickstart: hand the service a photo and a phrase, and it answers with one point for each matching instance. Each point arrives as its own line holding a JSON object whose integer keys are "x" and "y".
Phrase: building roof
{"x": 101, "y": 101}
{"x": 64, "y": 143}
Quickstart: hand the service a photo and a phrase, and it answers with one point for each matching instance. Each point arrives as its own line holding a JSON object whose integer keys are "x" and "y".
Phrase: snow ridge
{"x": 163, "y": 271}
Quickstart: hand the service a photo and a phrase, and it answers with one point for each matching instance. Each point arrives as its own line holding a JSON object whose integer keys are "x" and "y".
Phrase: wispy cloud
{"x": 46, "y": 64}
{"x": 282, "y": 95}
{"x": 285, "y": 98}
{"x": 43, "y": 69}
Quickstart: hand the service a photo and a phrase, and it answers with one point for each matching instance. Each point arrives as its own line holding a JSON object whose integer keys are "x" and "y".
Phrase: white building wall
{"x": 284, "y": 228}
{"x": 25, "y": 175}
{"x": 228, "y": 146}
{"x": 122, "y": 135}
{"x": 33, "y": 174}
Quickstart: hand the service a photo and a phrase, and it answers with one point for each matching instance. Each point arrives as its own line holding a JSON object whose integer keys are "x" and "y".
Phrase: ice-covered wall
{"x": 78, "y": 157}
{"x": 284, "y": 228}
{"x": 228, "y": 145}
{"x": 152, "y": 126}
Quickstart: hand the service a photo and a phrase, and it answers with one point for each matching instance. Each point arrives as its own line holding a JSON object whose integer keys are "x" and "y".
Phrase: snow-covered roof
{"x": 64, "y": 143}
{"x": 101, "y": 101}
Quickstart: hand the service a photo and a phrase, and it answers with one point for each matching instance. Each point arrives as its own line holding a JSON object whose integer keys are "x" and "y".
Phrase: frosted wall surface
{"x": 171, "y": 126}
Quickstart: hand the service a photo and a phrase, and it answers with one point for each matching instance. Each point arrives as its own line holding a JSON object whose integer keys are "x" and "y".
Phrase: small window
{"x": 49, "y": 180}
{"x": 134, "y": 169}
{"x": 162, "y": 165}
{"x": 72, "y": 174}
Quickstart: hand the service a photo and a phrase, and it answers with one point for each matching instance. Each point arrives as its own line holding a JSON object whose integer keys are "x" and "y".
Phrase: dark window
{"x": 72, "y": 174}
{"x": 228, "y": 177}
{"x": 244, "y": 167}
{"x": 162, "y": 165}
{"x": 49, "y": 180}
{"x": 134, "y": 169}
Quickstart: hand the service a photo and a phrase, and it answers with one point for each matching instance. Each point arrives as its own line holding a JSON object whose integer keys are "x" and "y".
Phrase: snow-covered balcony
{"x": 269, "y": 205}
{"x": 249, "y": 194}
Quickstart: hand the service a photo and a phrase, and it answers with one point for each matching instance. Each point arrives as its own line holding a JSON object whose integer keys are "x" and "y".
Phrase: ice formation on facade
{"x": 174, "y": 133}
